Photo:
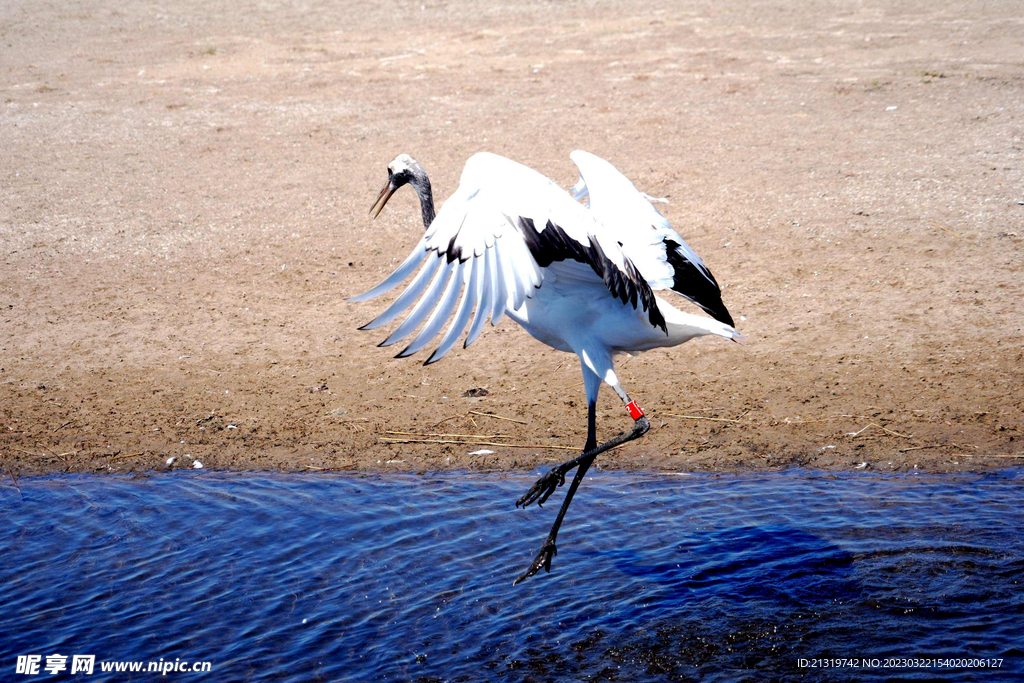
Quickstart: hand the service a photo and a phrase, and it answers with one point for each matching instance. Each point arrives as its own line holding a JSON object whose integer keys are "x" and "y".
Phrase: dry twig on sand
{"x": 790, "y": 421}
{"x": 498, "y": 417}
{"x": 943, "y": 228}
{"x": 445, "y": 435}
{"x": 875, "y": 424}
{"x": 938, "y": 445}
{"x": 475, "y": 443}
{"x": 126, "y": 455}
{"x": 921, "y": 448}
{"x": 447, "y": 419}
{"x": 700, "y": 417}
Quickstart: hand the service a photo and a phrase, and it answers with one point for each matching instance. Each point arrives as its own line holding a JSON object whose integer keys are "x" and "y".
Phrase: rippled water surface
{"x": 408, "y": 578}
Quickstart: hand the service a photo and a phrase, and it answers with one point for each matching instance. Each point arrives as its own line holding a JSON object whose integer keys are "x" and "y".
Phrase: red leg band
{"x": 634, "y": 410}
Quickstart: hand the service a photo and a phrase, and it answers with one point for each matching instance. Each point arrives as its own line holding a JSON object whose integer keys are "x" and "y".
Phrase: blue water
{"x": 409, "y": 578}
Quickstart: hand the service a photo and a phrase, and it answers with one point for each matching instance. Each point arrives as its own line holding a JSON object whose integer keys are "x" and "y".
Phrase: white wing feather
{"x": 444, "y": 309}
{"x": 488, "y": 259}
{"x": 630, "y": 215}
{"x": 422, "y": 307}
{"x": 469, "y": 295}
{"x": 485, "y": 297}
{"x": 407, "y": 297}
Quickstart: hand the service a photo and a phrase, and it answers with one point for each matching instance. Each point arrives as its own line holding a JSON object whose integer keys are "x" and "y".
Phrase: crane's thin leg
{"x": 549, "y": 481}
{"x": 591, "y": 443}
{"x": 548, "y": 550}
{"x": 555, "y": 477}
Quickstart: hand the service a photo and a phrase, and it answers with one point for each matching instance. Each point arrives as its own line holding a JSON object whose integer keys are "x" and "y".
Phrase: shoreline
{"x": 382, "y": 459}
{"x": 1008, "y": 466}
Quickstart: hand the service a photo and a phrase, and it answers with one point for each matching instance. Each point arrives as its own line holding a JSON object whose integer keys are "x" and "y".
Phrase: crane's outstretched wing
{"x": 646, "y": 237}
{"x": 491, "y": 241}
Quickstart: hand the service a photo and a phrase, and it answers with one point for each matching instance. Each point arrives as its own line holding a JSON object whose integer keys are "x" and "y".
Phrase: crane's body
{"x": 572, "y": 316}
{"x": 579, "y": 277}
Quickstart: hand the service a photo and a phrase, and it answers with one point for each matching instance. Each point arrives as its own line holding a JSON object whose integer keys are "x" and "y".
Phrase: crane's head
{"x": 402, "y": 170}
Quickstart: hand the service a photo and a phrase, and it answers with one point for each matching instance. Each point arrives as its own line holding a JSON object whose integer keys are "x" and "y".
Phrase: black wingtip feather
{"x": 551, "y": 244}
{"x": 696, "y": 284}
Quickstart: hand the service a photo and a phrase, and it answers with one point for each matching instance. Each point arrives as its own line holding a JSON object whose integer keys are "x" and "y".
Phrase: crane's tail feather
{"x": 698, "y": 326}
{"x": 407, "y": 297}
{"x": 392, "y": 280}
{"x": 422, "y": 307}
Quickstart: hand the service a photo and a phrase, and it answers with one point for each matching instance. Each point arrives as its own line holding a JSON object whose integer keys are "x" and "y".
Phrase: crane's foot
{"x": 544, "y": 487}
{"x": 555, "y": 477}
{"x": 547, "y": 484}
{"x": 543, "y": 559}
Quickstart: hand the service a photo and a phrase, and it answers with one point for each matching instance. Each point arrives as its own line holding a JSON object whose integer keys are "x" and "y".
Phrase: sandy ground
{"x": 183, "y": 198}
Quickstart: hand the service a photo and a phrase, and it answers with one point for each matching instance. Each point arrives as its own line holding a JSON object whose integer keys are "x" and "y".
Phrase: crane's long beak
{"x": 382, "y": 199}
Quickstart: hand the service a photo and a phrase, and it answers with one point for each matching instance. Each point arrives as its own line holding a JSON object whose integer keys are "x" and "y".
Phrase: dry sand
{"x": 183, "y": 198}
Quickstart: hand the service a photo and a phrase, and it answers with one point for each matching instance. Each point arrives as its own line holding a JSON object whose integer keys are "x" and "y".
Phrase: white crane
{"x": 580, "y": 278}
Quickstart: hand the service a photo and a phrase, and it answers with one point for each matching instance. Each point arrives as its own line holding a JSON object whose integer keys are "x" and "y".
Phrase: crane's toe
{"x": 543, "y": 488}
{"x": 543, "y": 559}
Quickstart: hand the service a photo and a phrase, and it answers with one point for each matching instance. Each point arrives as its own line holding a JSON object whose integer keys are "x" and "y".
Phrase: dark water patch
{"x": 302, "y": 578}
